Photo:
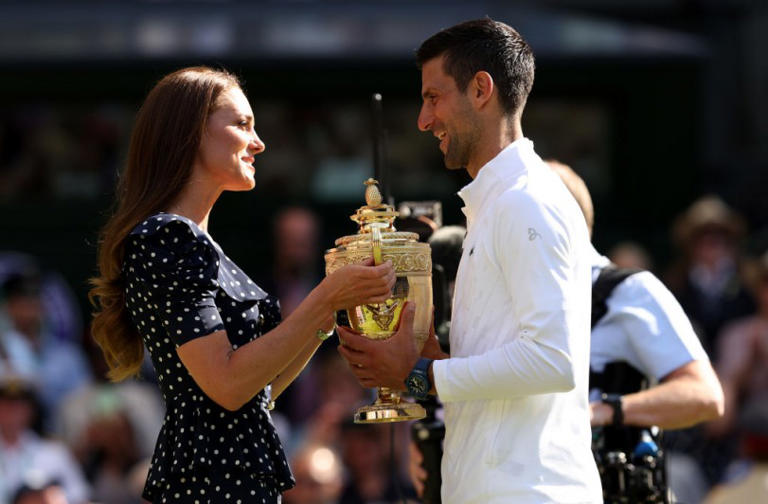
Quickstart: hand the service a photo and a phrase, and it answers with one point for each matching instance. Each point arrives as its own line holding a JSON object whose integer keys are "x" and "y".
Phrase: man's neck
{"x": 496, "y": 138}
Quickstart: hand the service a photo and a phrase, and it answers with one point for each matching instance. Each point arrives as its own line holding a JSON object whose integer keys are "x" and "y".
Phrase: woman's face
{"x": 230, "y": 143}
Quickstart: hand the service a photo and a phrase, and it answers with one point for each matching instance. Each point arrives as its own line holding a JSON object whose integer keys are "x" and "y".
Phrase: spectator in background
{"x": 59, "y": 303}
{"x": 365, "y": 455}
{"x": 319, "y": 476}
{"x": 297, "y": 256}
{"x": 29, "y": 347}
{"x": 111, "y": 429}
{"x": 748, "y": 481}
{"x": 295, "y": 272}
{"x": 743, "y": 353}
{"x": 706, "y": 279}
{"x": 47, "y": 493}
{"x": 25, "y": 456}
{"x": 630, "y": 255}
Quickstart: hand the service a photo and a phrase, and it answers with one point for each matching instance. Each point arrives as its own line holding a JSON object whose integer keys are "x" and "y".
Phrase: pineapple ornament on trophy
{"x": 412, "y": 261}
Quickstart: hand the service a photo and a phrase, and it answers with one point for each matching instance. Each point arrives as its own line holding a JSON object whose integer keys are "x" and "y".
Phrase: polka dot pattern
{"x": 180, "y": 286}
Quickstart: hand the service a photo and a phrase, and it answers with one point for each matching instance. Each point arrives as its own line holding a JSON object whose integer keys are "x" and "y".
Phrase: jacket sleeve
{"x": 532, "y": 246}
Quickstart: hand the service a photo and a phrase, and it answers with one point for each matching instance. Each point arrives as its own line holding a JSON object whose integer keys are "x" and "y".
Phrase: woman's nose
{"x": 256, "y": 145}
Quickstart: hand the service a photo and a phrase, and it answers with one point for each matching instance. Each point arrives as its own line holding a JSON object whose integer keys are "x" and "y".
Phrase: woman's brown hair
{"x": 164, "y": 143}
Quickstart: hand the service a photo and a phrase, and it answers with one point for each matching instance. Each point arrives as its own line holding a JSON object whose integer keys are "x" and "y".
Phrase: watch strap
{"x": 421, "y": 368}
{"x": 614, "y": 400}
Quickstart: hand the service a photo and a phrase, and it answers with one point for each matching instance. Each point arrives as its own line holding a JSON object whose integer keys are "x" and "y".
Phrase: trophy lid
{"x": 375, "y": 213}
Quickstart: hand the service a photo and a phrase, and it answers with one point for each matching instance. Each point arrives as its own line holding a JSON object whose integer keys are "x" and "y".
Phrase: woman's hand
{"x": 359, "y": 284}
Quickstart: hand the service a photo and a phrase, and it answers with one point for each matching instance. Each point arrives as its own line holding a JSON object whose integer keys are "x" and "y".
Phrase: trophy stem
{"x": 389, "y": 407}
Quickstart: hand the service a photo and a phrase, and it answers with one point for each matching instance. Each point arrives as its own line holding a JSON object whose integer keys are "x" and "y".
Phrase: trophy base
{"x": 386, "y": 413}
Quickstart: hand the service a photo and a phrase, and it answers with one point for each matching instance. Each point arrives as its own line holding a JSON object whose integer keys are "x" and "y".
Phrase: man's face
{"x": 448, "y": 114}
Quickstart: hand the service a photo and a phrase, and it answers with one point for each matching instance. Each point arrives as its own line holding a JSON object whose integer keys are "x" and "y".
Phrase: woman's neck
{"x": 195, "y": 203}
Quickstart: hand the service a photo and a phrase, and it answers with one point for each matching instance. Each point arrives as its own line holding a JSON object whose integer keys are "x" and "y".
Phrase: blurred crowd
{"x": 68, "y": 436}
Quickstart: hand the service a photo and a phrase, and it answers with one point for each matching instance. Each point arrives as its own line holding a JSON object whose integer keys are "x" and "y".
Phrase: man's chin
{"x": 453, "y": 165}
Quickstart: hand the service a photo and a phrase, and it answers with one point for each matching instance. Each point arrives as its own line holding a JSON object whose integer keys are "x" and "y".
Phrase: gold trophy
{"x": 412, "y": 261}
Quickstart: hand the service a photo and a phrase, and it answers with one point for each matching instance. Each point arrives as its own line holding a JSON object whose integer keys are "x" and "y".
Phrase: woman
{"x": 212, "y": 334}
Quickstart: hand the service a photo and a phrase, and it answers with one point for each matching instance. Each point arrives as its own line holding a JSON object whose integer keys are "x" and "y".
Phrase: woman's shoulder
{"x": 163, "y": 236}
{"x": 165, "y": 223}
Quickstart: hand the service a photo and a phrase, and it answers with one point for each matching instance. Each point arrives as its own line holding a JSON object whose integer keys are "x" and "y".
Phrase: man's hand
{"x": 382, "y": 363}
{"x": 432, "y": 348}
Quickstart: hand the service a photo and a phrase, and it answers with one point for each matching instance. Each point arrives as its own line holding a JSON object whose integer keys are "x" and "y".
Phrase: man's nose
{"x": 425, "y": 119}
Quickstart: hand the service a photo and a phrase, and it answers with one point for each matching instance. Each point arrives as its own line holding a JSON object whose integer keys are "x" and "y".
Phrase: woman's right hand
{"x": 359, "y": 284}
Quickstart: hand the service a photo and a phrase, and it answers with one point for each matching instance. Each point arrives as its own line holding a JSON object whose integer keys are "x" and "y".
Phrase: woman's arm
{"x": 232, "y": 378}
{"x": 293, "y": 369}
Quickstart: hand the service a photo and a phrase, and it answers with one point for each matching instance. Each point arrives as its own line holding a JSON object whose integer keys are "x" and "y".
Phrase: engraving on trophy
{"x": 384, "y": 314}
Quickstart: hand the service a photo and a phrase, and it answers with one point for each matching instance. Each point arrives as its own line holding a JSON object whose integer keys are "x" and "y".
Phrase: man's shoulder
{"x": 643, "y": 283}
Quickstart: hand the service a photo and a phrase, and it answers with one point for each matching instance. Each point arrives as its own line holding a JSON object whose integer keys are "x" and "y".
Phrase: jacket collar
{"x": 495, "y": 176}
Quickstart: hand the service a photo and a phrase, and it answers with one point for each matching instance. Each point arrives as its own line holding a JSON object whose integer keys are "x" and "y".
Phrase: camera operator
{"x": 426, "y": 451}
{"x": 640, "y": 337}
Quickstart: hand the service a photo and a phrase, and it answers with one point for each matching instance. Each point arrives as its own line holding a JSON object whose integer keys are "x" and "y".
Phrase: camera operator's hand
{"x": 417, "y": 473}
{"x": 600, "y": 414}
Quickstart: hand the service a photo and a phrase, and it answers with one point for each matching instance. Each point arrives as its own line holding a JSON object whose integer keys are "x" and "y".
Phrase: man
{"x": 515, "y": 385}
{"x": 641, "y": 332}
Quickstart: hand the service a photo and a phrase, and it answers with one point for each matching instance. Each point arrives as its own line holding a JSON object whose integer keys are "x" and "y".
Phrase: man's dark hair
{"x": 484, "y": 45}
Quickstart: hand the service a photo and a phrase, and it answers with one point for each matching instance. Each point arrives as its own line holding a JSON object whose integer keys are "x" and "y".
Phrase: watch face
{"x": 417, "y": 386}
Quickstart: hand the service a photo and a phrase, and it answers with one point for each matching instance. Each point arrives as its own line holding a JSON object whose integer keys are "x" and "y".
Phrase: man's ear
{"x": 481, "y": 89}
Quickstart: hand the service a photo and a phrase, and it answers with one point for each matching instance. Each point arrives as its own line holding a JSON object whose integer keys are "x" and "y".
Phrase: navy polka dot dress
{"x": 181, "y": 286}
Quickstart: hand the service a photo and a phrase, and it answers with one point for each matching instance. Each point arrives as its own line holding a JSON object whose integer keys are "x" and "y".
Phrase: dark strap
{"x": 610, "y": 277}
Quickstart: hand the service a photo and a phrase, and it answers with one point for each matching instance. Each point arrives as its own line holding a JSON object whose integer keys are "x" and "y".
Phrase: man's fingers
{"x": 407, "y": 315}
{"x": 352, "y": 357}
{"x": 352, "y": 339}
{"x": 367, "y": 262}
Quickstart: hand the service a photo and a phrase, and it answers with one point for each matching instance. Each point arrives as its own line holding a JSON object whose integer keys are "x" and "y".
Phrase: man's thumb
{"x": 409, "y": 312}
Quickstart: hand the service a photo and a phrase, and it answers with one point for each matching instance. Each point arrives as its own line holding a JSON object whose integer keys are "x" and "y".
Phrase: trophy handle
{"x": 376, "y": 244}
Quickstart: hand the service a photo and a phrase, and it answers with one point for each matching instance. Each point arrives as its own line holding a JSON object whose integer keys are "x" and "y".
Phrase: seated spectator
{"x": 319, "y": 476}
{"x": 28, "y": 347}
{"x": 365, "y": 455}
{"x": 24, "y": 454}
{"x": 743, "y": 353}
{"x": 45, "y": 493}
{"x": 630, "y": 255}
{"x": 706, "y": 279}
{"x": 748, "y": 477}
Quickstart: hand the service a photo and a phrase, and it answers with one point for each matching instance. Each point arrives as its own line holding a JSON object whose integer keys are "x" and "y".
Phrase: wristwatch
{"x": 614, "y": 400}
{"x": 418, "y": 383}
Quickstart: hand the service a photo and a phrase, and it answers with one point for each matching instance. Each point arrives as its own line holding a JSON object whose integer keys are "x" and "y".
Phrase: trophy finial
{"x": 372, "y": 194}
